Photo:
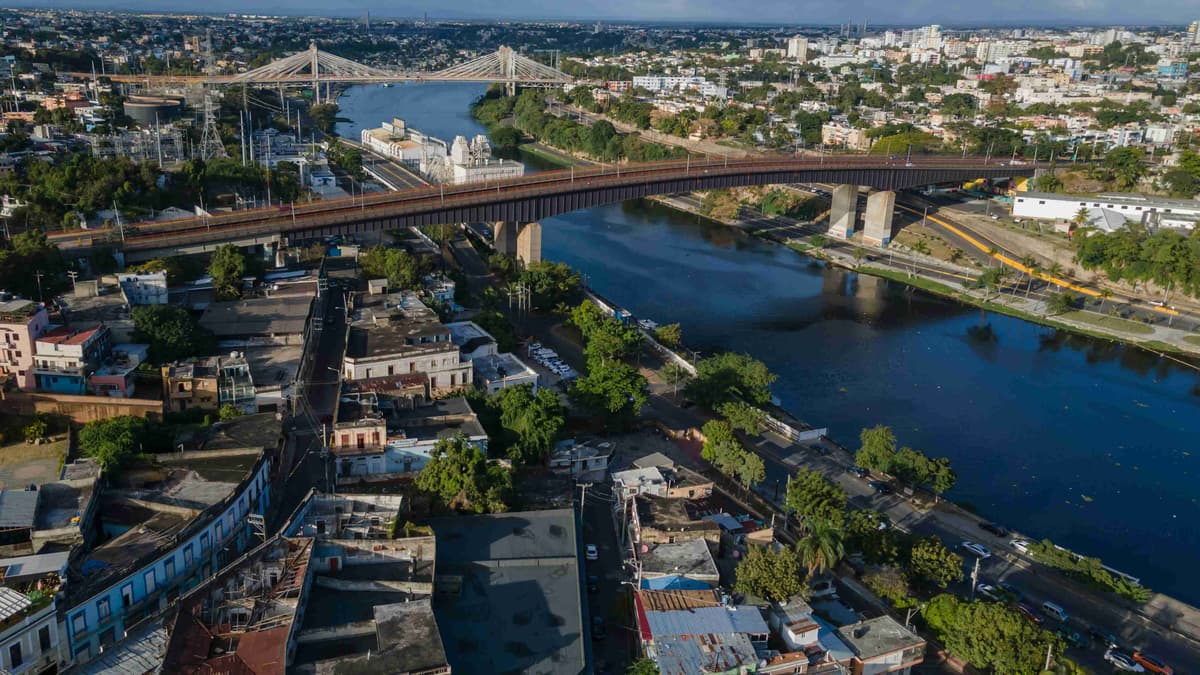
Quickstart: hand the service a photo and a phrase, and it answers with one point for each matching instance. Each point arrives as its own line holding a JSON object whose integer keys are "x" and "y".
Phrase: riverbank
{"x": 952, "y": 281}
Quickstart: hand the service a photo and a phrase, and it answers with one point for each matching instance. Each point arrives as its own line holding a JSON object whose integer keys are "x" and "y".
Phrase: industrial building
{"x": 1110, "y": 210}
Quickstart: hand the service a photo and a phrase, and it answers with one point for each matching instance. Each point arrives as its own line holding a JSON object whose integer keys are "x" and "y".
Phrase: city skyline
{"x": 874, "y": 12}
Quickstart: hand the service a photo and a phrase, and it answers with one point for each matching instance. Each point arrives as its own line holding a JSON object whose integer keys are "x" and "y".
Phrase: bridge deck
{"x": 536, "y": 196}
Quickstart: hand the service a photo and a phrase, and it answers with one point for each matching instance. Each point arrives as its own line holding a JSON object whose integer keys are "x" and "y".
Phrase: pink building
{"x": 115, "y": 375}
{"x": 21, "y": 323}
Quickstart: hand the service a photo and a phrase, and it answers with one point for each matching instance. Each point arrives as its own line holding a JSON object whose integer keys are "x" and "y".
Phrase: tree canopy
{"x": 769, "y": 574}
{"x": 401, "y": 268}
{"x": 813, "y": 498}
{"x": 535, "y": 419}
{"x": 990, "y": 635}
{"x": 728, "y": 377}
{"x": 227, "y": 267}
{"x": 113, "y": 442}
{"x": 932, "y": 562}
{"x": 461, "y": 477}
{"x": 171, "y": 332}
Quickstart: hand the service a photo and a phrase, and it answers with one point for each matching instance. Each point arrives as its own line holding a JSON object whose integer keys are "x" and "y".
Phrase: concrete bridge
{"x": 521, "y": 202}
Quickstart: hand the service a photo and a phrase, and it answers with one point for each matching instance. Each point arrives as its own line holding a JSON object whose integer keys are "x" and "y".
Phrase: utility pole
{"x": 583, "y": 494}
{"x": 975, "y": 579}
{"x": 38, "y": 274}
{"x": 74, "y": 275}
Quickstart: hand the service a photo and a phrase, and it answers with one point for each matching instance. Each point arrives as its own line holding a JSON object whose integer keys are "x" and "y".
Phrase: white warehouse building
{"x": 1155, "y": 211}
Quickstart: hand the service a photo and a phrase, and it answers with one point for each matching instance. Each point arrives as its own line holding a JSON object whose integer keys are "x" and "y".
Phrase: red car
{"x": 1153, "y": 664}
{"x": 1028, "y": 613}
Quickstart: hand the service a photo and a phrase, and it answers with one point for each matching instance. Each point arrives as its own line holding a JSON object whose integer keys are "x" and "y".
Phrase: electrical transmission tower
{"x": 210, "y": 140}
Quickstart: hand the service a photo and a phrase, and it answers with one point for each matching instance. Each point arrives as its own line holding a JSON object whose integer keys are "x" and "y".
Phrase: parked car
{"x": 1054, "y": 611}
{"x": 978, "y": 550}
{"x": 1021, "y": 546}
{"x": 822, "y": 588}
{"x": 880, "y": 487}
{"x": 592, "y": 552}
{"x": 1123, "y": 661}
{"x": 1028, "y": 613}
{"x": 858, "y": 471}
{"x": 991, "y": 592}
{"x": 995, "y": 529}
{"x": 1152, "y": 664}
{"x": 1013, "y": 592}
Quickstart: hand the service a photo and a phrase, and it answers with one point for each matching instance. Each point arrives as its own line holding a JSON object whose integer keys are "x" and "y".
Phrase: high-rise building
{"x": 797, "y": 48}
{"x": 1193, "y": 33}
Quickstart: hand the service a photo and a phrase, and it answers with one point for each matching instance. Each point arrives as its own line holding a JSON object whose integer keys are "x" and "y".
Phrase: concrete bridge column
{"x": 843, "y": 211}
{"x": 529, "y": 243}
{"x": 880, "y": 208}
{"x": 506, "y": 237}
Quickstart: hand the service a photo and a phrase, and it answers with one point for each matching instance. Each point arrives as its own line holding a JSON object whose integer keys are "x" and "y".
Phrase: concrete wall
{"x": 79, "y": 409}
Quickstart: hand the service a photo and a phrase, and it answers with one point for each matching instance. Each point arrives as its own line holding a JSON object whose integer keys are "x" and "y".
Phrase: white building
{"x": 797, "y": 49}
{"x": 1132, "y": 207}
{"x": 397, "y": 334}
{"x": 411, "y": 147}
{"x": 144, "y": 289}
{"x": 469, "y": 162}
{"x": 29, "y": 641}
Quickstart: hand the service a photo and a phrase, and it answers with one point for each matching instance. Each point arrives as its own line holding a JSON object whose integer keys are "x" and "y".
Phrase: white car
{"x": 592, "y": 553}
{"x": 534, "y": 346}
{"x": 1021, "y": 546}
{"x": 978, "y": 550}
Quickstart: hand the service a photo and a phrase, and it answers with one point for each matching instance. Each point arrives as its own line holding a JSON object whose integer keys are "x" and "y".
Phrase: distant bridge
{"x": 315, "y": 67}
{"x": 530, "y": 198}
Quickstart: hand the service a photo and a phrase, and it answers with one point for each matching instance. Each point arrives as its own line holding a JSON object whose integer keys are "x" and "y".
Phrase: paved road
{"x": 392, "y": 171}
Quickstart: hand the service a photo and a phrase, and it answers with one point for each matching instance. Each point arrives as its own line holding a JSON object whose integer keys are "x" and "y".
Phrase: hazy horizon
{"x": 797, "y": 12}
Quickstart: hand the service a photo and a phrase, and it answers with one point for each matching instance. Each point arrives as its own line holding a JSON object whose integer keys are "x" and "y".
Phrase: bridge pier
{"x": 529, "y": 243}
{"x": 881, "y": 206}
{"x": 505, "y": 237}
{"x": 843, "y": 211}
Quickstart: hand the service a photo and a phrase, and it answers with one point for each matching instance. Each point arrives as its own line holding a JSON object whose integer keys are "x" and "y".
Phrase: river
{"x": 1086, "y": 442}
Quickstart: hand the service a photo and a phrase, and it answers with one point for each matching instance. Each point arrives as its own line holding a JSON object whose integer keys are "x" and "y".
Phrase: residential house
{"x": 65, "y": 358}
{"x": 209, "y": 383}
{"x": 580, "y": 459}
{"x": 685, "y": 565}
{"x": 21, "y": 323}
{"x": 493, "y": 370}
{"x": 29, "y": 639}
{"x": 114, "y": 376}
{"x": 144, "y": 289}
{"x": 696, "y": 632}
{"x": 882, "y": 645}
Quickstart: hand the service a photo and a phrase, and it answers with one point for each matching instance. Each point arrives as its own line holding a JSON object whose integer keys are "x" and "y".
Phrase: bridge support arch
{"x": 881, "y": 206}
{"x": 843, "y": 211}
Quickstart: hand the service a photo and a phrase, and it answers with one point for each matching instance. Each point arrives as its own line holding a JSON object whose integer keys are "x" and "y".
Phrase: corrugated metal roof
{"x": 140, "y": 653}
{"x": 12, "y": 602}
{"x": 34, "y": 565}
{"x": 704, "y": 620}
{"x": 18, "y": 508}
{"x": 692, "y": 654}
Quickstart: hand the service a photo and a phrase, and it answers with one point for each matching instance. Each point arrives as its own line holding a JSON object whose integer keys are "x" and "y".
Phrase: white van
{"x": 1054, "y": 611}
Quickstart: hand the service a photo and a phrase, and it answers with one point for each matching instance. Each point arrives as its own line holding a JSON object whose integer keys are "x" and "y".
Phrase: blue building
{"x": 65, "y": 357}
{"x": 1175, "y": 70}
{"x": 164, "y": 537}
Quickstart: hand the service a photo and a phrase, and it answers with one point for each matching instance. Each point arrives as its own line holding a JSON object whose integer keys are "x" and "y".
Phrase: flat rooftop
{"x": 280, "y": 315}
{"x": 509, "y": 592}
{"x": 686, "y": 558}
{"x": 18, "y": 310}
{"x": 878, "y": 636}
{"x": 496, "y": 367}
{"x": 395, "y": 324}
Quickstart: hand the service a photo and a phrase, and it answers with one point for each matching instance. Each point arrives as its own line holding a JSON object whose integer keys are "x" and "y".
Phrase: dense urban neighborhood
{"x": 297, "y": 374}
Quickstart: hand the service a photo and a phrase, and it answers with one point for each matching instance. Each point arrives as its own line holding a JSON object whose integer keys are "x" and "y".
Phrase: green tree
{"x": 613, "y": 391}
{"x": 721, "y": 447}
{"x": 728, "y": 377}
{"x": 933, "y": 563}
{"x": 868, "y": 532}
{"x": 113, "y": 442}
{"x": 642, "y": 666}
{"x": 1060, "y": 303}
{"x": 877, "y": 448}
{"x": 401, "y": 268}
{"x": 461, "y": 477}
{"x": 550, "y": 283}
{"x": 742, "y": 416}
{"x": 990, "y": 635}
{"x": 228, "y": 412}
{"x": 891, "y": 584}
{"x": 769, "y": 574}
{"x": 36, "y": 430}
{"x": 535, "y": 418}
{"x": 171, "y": 332}
{"x": 814, "y": 499}
{"x": 822, "y": 548}
{"x": 1125, "y": 165}
{"x": 669, "y": 335}
{"x": 674, "y": 375}
{"x": 227, "y": 267}
{"x": 751, "y": 471}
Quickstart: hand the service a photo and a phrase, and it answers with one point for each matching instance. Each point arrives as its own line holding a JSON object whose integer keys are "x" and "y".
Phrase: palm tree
{"x": 822, "y": 549}
{"x": 1030, "y": 265}
{"x": 1105, "y": 296}
{"x": 1056, "y": 271}
{"x": 1081, "y": 217}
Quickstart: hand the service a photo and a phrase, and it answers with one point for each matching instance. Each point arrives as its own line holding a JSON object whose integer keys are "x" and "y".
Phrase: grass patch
{"x": 1192, "y": 340}
{"x": 549, "y": 157}
{"x": 1110, "y": 322}
{"x": 918, "y": 282}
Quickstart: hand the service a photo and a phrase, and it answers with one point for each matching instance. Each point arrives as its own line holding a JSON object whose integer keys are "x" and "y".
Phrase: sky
{"x": 915, "y": 12}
